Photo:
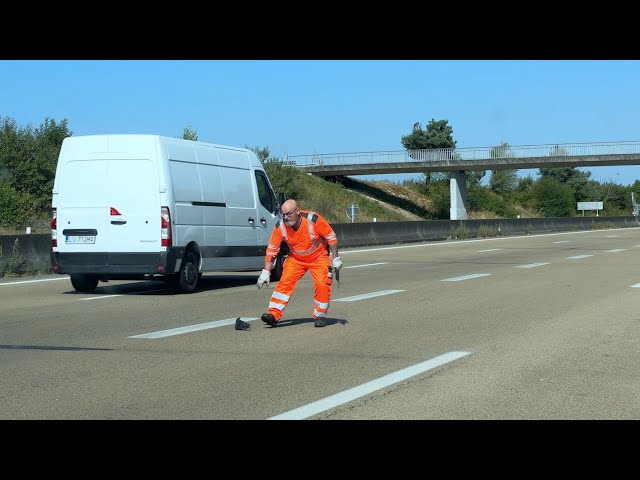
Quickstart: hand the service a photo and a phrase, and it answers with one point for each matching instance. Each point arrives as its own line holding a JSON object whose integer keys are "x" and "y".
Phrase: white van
{"x": 153, "y": 207}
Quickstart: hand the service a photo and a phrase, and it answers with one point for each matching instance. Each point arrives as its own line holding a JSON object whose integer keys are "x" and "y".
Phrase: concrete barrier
{"x": 20, "y": 254}
{"x": 31, "y": 253}
{"x": 386, "y": 233}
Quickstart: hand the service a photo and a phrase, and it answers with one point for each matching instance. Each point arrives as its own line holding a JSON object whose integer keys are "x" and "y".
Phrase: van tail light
{"x": 54, "y": 228}
{"x": 165, "y": 227}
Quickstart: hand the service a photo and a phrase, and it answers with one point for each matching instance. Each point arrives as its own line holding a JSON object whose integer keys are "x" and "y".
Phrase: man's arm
{"x": 325, "y": 230}
{"x": 333, "y": 250}
{"x": 275, "y": 240}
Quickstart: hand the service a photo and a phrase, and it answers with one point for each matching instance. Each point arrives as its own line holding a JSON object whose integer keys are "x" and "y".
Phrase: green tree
{"x": 262, "y": 153}
{"x": 438, "y": 134}
{"x": 10, "y": 201}
{"x": 553, "y": 198}
{"x": 28, "y": 159}
{"x": 189, "y": 133}
{"x": 503, "y": 181}
{"x": 284, "y": 178}
{"x": 570, "y": 176}
{"x": 616, "y": 198}
{"x": 440, "y": 200}
{"x": 525, "y": 183}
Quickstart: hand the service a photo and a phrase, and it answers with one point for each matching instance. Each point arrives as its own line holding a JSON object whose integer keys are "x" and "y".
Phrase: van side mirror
{"x": 282, "y": 197}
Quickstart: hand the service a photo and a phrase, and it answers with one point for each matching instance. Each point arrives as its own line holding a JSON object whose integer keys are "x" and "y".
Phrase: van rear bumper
{"x": 103, "y": 263}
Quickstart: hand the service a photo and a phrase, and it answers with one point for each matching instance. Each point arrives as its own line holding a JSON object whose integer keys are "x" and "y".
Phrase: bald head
{"x": 290, "y": 213}
{"x": 289, "y": 205}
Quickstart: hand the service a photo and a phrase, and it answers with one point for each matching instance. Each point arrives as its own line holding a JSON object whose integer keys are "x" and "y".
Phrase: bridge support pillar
{"x": 458, "y": 193}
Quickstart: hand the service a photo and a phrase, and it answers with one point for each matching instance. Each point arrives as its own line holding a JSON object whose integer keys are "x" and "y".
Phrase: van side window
{"x": 264, "y": 192}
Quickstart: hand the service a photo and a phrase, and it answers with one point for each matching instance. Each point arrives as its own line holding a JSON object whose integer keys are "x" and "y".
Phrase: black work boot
{"x": 319, "y": 322}
{"x": 269, "y": 319}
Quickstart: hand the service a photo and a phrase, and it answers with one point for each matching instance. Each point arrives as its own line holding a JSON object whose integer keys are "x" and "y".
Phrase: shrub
{"x": 461, "y": 232}
{"x": 487, "y": 231}
{"x": 15, "y": 262}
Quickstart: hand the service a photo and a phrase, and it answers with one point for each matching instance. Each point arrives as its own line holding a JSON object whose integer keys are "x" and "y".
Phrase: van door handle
{"x": 118, "y": 222}
{"x": 263, "y": 220}
{"x": 251, "y": 220}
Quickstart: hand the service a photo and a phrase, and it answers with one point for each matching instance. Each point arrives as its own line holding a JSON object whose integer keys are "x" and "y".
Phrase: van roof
{"x": 75, "y": 146}
{"x": 147, "y": 136}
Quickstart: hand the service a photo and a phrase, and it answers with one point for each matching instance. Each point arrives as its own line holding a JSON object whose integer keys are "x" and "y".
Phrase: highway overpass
{"x": 459, "y": 160}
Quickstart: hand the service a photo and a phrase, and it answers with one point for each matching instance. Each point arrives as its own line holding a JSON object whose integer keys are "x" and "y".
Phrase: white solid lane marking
{"x": 562, "y": 241}
{"x": 637, "y": 285}
{"x": 355, "y": 298}
{"x": 365, "y": 389}
{"x": 577, "y": 257}
{"x": 612, "y": 236}
{"x": 193, "y": 328}
{"x": 34, "y": 281}
{"x": 367, "y": 265}
{"x": 489, "y": 250}
{"x": 615, "y": 250}
{"x": 532, "y": 265}
{"x": 465, "y": 277}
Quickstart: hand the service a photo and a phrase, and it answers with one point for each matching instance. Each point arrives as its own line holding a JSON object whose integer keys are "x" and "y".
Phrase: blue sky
{"x": 326, "y": 106}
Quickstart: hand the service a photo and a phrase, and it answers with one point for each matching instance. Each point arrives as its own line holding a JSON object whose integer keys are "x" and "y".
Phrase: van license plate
{"x": 80, "y": 239}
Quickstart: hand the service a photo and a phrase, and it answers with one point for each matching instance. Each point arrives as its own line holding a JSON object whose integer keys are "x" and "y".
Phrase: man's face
{"x": 290, "y": 216}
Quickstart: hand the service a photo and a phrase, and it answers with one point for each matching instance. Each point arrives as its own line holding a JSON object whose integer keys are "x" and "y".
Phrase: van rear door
{"x": 109, "y": 206}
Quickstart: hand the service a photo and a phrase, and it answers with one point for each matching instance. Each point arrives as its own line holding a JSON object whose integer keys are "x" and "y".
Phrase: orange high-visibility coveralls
{"x": 308, "y": 248}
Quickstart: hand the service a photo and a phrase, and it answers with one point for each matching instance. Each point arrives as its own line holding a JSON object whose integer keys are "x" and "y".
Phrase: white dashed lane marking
{"x": 193, "y": 328}
{"x": 465, "y": 277}
{"x": 364, "y": 296}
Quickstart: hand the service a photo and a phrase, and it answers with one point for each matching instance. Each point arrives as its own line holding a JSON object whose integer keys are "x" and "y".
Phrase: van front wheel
{"x": 188, "y": 276}
{"x": 84, "y": 283}
{"x": 276, "y": 272}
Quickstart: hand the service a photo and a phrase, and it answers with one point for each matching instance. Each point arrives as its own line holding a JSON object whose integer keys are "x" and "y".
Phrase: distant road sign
{"x": 590, "y": 205}
{"x": 353, "y": 212}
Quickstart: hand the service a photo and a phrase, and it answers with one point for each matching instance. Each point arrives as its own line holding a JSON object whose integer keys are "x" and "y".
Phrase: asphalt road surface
{"x": 534, "y": 327}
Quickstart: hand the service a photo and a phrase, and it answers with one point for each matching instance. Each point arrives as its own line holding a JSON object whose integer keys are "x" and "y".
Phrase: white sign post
{"x": 353, "y": 212}
{"x": 590, "y": 206}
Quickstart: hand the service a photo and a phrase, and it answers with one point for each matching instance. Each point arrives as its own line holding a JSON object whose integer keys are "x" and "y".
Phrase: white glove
{"x": 336, "y": 263}
{"x": 265, "y": 277}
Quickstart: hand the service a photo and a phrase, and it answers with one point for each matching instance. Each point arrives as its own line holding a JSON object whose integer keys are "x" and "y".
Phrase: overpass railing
{"x": 482, "y": 153}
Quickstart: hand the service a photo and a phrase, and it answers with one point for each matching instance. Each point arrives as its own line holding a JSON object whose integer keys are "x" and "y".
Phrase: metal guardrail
{"x": 483, "y": 153}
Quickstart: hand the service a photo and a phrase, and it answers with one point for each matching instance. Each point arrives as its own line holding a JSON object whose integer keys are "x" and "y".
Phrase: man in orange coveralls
{"x": 313, "y": 246}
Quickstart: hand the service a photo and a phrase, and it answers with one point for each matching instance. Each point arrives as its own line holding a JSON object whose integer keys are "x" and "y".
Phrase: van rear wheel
{"x": 84, "y": 283}
{"x": 186, "y": 279}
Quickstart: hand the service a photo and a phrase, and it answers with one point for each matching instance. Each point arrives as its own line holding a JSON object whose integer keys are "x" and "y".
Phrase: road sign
{"x": 353, "y": 212}
{"x": 590, "y": 206}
